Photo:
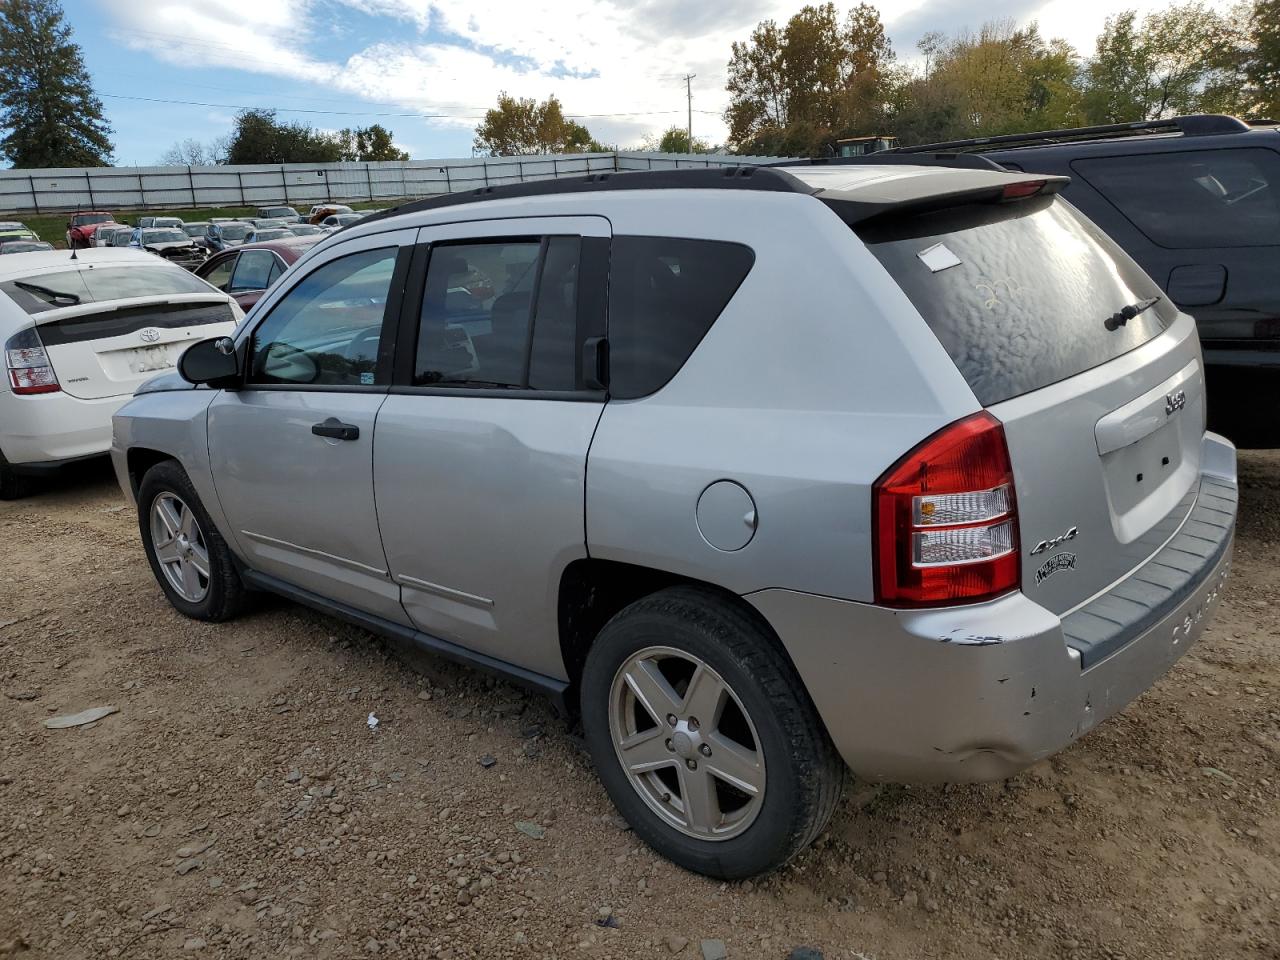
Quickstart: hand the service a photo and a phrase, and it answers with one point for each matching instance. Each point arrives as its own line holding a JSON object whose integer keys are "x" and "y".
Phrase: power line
{"x": 369, "y": 113}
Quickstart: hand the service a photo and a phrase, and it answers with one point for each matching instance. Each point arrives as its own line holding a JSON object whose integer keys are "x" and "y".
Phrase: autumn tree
{"x": 1262, "y": 67}
{"x": 676, "y": 140}
{"x": 801, "y": 86}
{"x": 369, "y": 143}
{"x": 1001, "y": 79}
{"x": 1184, "y": 59}
{"x": 48, "y": 110}
{"x": 523, "y": 127}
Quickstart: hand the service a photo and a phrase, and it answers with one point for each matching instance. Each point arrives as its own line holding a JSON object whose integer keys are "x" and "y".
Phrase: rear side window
{"x": 501, "y": 314}
{"x": 1018, "y": 294}
{"x": 664, "y": 295}
{"x": 1196, "y": 199}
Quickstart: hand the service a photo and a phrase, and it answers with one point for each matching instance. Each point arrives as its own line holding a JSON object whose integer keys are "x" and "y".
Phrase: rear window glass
{"x": 664, "y": 295}
{"x": 1196, "y": 199}
{"x": 51, "y": 291}
{"x": 1018, "y": 294}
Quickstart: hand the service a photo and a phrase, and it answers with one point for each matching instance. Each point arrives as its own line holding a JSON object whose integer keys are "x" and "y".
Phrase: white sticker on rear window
{"x": 938, "y": 257}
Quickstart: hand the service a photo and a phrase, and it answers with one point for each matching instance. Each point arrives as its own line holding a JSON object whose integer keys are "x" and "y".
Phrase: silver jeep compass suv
{"x": 762, "y": 472}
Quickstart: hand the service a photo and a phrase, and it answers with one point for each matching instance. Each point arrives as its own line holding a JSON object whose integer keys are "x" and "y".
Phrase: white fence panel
{"x": 300, "y": 184}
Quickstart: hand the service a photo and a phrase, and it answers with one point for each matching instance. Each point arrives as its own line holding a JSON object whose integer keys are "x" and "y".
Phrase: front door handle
{"x": 335, "y": 429}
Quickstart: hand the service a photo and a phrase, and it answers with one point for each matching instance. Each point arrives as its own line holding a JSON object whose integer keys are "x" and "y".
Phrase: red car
{"x": 247, "y": 272}
{"x": 84, "y": 224}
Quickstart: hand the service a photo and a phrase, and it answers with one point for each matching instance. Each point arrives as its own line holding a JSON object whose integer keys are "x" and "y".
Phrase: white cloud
{"x": 598, "y": 56}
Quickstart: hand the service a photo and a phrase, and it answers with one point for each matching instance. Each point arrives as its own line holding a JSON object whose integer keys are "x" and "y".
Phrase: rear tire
{"x": 668, "y": 657}
{"x": 189, "y": 558}
{"x": 12, "y": 485}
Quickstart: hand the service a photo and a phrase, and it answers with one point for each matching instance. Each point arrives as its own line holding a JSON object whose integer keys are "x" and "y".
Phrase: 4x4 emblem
{"x": 1174, "y": 402}
{"x": 1044, "y": 545}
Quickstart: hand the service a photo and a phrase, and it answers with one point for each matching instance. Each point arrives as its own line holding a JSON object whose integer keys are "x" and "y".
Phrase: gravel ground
{"x": 239, "y": 805}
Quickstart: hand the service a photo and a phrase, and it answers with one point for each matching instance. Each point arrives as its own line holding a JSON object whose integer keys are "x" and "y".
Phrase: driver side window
{"x": 326, "y": 329}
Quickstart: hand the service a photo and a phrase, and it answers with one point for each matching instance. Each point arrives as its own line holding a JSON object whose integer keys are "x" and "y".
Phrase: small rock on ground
{"x": 714, "y": 950}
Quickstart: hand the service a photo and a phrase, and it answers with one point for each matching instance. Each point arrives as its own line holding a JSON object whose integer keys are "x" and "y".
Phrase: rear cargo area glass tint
{"x": 1018, "y": 293}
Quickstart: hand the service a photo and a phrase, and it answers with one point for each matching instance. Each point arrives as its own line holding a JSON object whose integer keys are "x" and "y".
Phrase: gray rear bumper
{"x": 982, "y": 691}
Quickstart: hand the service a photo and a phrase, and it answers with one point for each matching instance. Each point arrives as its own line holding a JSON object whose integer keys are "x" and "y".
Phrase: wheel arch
{"x": 593, "y": 591}
{"x": 141, "y": 459}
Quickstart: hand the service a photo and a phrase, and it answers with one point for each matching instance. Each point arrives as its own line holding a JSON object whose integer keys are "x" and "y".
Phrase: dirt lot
{"x": 238, "y": 804}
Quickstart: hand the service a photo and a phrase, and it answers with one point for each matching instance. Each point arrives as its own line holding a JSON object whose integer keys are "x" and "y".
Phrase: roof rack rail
{"x": 963, "y": 161}
{"x": 738, "y": 177}
{"x": 1196, "y": 125}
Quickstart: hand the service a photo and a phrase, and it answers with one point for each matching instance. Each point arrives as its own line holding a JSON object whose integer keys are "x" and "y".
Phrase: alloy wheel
{"x": 180, "y": 547}
{"x": 686, "y": 743}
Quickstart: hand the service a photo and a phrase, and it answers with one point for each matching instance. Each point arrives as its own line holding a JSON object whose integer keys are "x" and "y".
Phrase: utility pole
{"x": 688, "y": 92}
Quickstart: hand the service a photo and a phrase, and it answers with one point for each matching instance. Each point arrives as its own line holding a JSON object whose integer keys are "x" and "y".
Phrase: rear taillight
{"x": 28, "y": 365}
{"x": 946, "y": 521}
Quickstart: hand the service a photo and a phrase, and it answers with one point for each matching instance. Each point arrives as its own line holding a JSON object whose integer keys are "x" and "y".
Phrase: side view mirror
{"x": 214, "y": 363}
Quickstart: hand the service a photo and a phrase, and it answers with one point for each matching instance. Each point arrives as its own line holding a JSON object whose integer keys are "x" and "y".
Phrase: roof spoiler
{"x": 914, "y": 195}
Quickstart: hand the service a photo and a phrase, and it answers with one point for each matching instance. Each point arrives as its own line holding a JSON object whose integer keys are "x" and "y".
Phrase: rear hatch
{"x": 109, "y": 329}
{"x": 1096, "y": 377}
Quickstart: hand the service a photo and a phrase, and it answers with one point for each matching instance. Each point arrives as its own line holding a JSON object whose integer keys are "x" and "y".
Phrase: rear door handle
{"x": 335, "y": 429}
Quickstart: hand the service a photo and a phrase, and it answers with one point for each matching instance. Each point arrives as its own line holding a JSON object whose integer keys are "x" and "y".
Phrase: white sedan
{"x": 80, "y": 335}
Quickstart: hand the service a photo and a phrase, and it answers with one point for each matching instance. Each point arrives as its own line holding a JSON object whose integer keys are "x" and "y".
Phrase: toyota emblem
{"x": 150, "y": 335}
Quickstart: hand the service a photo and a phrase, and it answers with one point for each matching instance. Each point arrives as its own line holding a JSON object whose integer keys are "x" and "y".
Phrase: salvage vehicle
{"x": 287, "y": 214}
{"x": 320, "y": 211}
{"x": 16, "y": 230}
{"x": 247, "y": 272}
{"x": 24, "y": 246}
{"x": 764, "y": 473}
{"x": 225, "y": 234}
{"x": 82, "y": 226}
{"x": 110, "y": 235}
{"x": 337, "y": 221}
{"x": 79, "y": 335}
{"x": 171, "y": 243}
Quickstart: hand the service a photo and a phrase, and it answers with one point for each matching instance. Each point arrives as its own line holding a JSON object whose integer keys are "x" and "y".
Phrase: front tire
{"x": 188, "y": 556}
{"x": 704, "y": 736}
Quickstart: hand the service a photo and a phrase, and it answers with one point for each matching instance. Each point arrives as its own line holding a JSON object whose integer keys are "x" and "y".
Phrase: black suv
{"x": 1195, "y": 200}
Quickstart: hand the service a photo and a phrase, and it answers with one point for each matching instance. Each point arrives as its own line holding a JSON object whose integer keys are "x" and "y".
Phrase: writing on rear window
{"x": 1026, "y": 301}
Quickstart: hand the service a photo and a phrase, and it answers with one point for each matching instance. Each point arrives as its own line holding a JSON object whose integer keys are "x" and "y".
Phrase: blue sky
{"x": 432, "y": 67}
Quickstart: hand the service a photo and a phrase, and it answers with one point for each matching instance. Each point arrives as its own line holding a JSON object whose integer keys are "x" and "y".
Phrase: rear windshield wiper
{"x": 1128, "y": 312}
{"x": 55, "y": 296}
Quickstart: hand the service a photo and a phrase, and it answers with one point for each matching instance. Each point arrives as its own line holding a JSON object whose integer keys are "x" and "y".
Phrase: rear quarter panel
{"x": 817, "y": 376}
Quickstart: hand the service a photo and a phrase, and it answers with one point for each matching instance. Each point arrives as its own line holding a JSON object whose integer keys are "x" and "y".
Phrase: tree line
{"x": 796, "y": 88}
{"x": 258, "y": 137}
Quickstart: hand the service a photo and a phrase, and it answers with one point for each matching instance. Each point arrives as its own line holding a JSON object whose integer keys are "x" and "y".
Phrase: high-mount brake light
{"x": 28, "y": 365}
{"x": 946, "y": 519}
{"x": 1021, "y": 189}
